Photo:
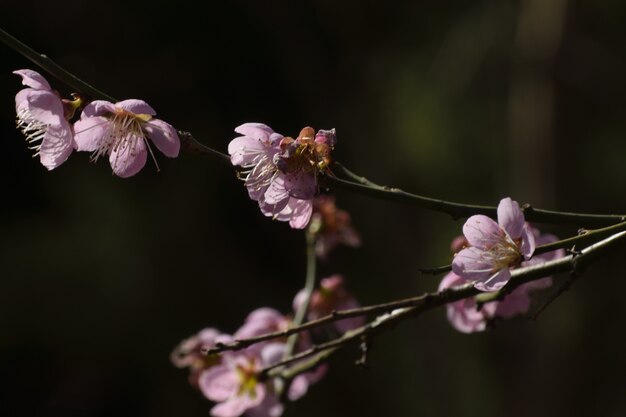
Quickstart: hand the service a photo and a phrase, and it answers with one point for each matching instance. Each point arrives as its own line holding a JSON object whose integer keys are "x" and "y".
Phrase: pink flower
{"x": 280, "y": 172}
{"x": 331, "y": 296}
{"x": 331, "y": 226}
{"x": 121, "y": 131}
{"x": 464, "y": 315}
{"x": 234, "y": 384}
{"x": 190, "y": 352}
{"x": 41, "y": 117}
{"x": 494, "y": 248}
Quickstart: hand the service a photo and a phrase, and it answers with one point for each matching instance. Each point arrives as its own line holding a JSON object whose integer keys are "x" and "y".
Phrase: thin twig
{"x": 364, "y": 186}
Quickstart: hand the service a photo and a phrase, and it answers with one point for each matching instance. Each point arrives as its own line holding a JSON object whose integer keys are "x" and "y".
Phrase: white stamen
{"x": 33, "y": 129}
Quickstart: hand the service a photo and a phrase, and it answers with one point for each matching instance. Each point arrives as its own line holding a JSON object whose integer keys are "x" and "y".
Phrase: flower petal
{"x": 56, "y": 146}
{"x": 136, "y": 106}
{"x": 510, "y": 218}
{"x": 218, "y": 383}
{"x": 33, "y": 79}
{"x": 235, "y": 406}
{"x": 528, "y": 242}
{"x": 258, "y": 131}
{"x": 164, "y": 136}
{"x": 301, "y": 185}
{"x": 245, "y": 150}
{"x": 298, "y": 388}
{"x": 279, "y": 211}
{"x": 43, "y": 106}
{"x": 495, "y": 282}
{"x": 302, "y": 210}
{"x": 471, "y": 264}
{"x": 97, "y": 108}
{"x": 90, "y": 132}
{"x": 128, "y": 157}
{"x": 276, "y": 192}
{"x": 482, "y": 232}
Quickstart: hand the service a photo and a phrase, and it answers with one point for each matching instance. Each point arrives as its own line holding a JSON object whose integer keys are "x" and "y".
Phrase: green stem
{"x": 309, "y": 287}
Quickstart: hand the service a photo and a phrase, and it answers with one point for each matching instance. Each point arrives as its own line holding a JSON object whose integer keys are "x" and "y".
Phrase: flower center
{"x": 125, "y": 132}
{"x": 247, "y": 375}
{"x": 505, "y": 253}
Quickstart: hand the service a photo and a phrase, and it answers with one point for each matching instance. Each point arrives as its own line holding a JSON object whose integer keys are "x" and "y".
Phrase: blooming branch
{"x": 574, "y": 264}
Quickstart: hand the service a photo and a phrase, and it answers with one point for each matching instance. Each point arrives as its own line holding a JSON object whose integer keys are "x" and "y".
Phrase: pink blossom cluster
{"x": 281, "y": 173}
{"x": 331, "y": 226}
{"x": 486, "y": 254}
{"x": 119, "y": 131}
{"x": 233, "y": 379}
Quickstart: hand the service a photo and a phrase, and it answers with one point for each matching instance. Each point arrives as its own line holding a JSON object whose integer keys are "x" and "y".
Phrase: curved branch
{"x": 364, "y": 186}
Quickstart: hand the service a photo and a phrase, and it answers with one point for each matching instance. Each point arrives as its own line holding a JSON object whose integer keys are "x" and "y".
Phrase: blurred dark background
{"x": 101, "y": 277}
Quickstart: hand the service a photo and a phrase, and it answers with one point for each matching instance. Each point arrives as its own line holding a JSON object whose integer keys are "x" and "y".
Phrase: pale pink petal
{"x": 280, "y": 211}
{"x": 471, "y": 264}
{"x": 89, "y": 133}
{"x": 97, "y": 108}
{"x": 235, "y": 406}
{"x": 129, "y": 157}
{"x": 302, "y": 185}
{"x": 528, "y": 242}
{"x": 495, "y": 282}
{"x": 302, "y": 210}
{"x": 218, "y": 383}
{"x": 263, "y": 320}
{"x": 164, "y": 136}
{"x": 258, "y": 131}
{"x": 33, "y": 79}
{"x": 464, "y": 316}
{"x": 298, "y": 388}
{"x": 43, "y": 106}
{"x": 510, "y": 218}
{"x": 56, "y": 146}
{"x": 136, "y": 106}
{"x": 265, "y": 314}
{"x": 22, "y": 96}
{"x": 482, "y": 232}
{"x": 270, "y": 407}
{"x": 245, "y": 150}
{"x": 272, "y": 353}
{"x": 275, "y": 138}
{"x": 276, "y": 192}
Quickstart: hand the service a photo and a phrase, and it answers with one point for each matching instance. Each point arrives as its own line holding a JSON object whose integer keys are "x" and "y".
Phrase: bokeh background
{"x": 101, "y": 277}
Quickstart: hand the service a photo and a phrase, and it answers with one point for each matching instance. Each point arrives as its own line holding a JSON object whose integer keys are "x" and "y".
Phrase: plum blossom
{"x": 331, "y": 296}
{"x": 42, "y": 116}
{"x": 494, "y": 248}
{"x": 331, "y": 226}
{"x": 466, "y": 317}
{"x": 236, "y": 387}
{"x": 280, "y": 172}
{"x": 190, "y": 352}
{"x": 234, "y": 384}
{"x": 121, "y": 131}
